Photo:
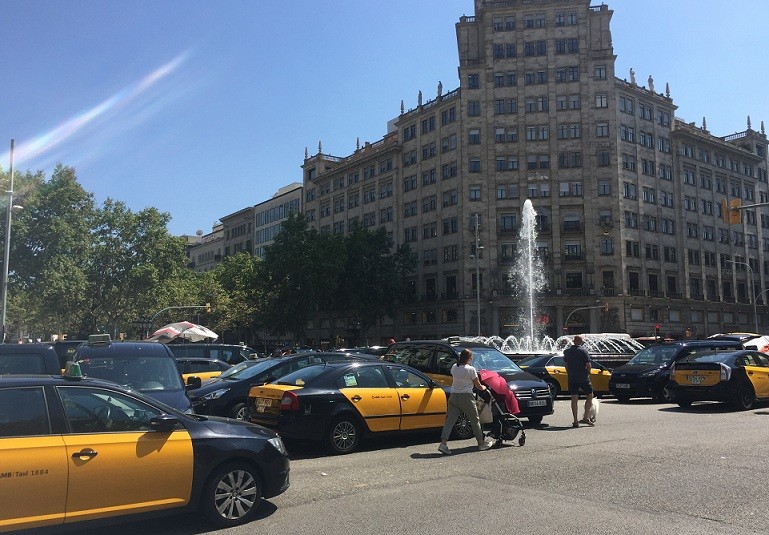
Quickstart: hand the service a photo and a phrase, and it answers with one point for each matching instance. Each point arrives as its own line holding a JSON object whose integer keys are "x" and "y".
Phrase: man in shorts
{"x": 578, "y": 369}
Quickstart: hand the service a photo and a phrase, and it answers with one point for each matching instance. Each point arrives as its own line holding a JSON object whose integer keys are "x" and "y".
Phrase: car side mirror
{"x": 164, "y": 423}
{"x": 193, "y": 382}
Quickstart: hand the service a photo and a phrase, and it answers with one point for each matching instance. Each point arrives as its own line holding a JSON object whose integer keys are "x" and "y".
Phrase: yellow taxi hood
{"x": 271, "y": 391}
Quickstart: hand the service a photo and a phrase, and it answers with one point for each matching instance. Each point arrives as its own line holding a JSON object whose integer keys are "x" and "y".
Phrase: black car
{"x": 76, "y": 449}
{"x": 435, "y": 358}
{"x": 148, "y": 367}
{"x": 226, "y": 395}
{"x": 28, "y": 358}
{"x": 646, "y": 375}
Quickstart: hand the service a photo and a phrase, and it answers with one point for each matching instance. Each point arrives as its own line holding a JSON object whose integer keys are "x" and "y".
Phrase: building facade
{"x": 630, "y": 223}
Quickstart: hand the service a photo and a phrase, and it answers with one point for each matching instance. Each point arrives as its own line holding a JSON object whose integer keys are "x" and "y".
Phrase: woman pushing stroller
{"x": 462, "y": 400}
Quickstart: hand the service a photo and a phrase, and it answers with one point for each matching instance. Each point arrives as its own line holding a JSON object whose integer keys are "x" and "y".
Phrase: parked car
{"x": 28, "y": 358}
{"x": 435, "y": 357}
{"x": 229, "y": 353}
{"x": 338, "y": 404}
{"x": 147, "y": 367}
{"x": 552, "y": 369}
{"x": 227, "y": 394}
{"x": 738, "y": 378}
{"x": 201, "y": 368}
{"x": 75, "y": 450}
{"x": 647, "y": 374}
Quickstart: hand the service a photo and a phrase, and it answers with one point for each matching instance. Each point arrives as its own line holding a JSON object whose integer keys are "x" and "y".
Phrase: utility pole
{"x": 7, "y": 255}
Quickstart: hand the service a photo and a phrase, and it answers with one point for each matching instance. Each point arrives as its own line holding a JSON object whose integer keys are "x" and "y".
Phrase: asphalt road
{"x": 644, "y": 468}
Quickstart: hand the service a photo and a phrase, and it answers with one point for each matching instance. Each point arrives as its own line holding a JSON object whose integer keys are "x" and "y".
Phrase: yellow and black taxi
{"x": 434, "y": 358}
{"x": 227, "y": 394}
{"x": 738, "y": 378}
{"x": 86, "y": 450}
{"x": 199, "y": 367}
{"x": 647, "y": 374}
{"x": 552, "y": 369}
{"x": 338, "y": 404}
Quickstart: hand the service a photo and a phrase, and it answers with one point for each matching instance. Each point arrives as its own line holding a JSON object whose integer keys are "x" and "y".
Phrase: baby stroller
{"x": 504, "y": 407}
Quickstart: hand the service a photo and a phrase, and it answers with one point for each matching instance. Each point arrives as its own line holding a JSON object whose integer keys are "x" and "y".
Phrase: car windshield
{"x": 488, "y": 358}
{"x": 705, "y": 357}
{"x": 534, "y": 360}
{"x": 302, "y": 376}
{"x": 247, "y": 369}
{"x": 654, "y": 355}
{"x": 145, "y": 374}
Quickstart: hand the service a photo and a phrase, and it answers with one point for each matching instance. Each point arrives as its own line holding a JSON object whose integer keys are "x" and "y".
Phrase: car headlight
{"x": 277, "y": 443}
{"x": 216, "y": 394}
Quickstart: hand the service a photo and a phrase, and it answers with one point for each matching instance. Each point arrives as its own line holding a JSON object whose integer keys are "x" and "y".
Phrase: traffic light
{"x": 657, "y": 331}
{"x": 730, "y": 212}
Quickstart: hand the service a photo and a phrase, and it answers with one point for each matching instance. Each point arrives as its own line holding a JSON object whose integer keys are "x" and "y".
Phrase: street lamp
{"x": 752, "y": 291}
{"x": 477, "y": 273}
{"x": 7, "y": 255}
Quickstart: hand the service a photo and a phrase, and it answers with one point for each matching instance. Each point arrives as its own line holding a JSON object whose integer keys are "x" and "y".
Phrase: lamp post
{"x": 7, "y": 255}
{"x": 752, "y": 291}
{"x": 477, "y": 274}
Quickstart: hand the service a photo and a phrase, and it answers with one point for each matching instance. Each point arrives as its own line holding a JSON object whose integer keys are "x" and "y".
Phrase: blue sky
{"x": 201, "y": 108}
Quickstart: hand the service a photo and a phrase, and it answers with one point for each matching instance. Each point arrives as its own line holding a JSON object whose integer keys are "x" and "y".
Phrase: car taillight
{"x": 289, "y": 402}
{"x": 726, "y": 372}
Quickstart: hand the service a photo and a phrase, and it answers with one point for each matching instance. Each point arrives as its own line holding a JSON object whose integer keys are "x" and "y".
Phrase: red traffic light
{"x": 657, "y": 326}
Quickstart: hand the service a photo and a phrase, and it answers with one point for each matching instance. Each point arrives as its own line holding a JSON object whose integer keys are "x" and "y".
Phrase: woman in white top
{"x": 462, "y": 400}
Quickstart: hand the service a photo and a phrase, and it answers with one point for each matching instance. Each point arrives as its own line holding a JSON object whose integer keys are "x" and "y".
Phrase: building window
{"x": 475, "y": 193}
{"x": 599, "y": 72}
{"x": 473, "y": 108}
{"x": 473, "y": 81}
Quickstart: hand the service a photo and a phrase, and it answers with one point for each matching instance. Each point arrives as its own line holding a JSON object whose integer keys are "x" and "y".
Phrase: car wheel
{"x": 535, "y": 420}
{"x": 684, "y": 404}
{"x": 555, "y": 388}
{"x": 462, "y": 428}
{"x": 343, "y": 435}
{"x": 238, "y": 411}
{"x": 745, "y": 398}
{"x": 667, "y": 394}
{"x": 232, "y": 495}
{"x": 623, "y": 399}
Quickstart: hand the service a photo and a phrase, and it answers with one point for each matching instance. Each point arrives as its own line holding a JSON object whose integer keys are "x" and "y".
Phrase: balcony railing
{"x": 570, "y": 257}
{"x": 572, "y": 226}
{"x": 675, "y": 295}
{"x": 637, "y": 292}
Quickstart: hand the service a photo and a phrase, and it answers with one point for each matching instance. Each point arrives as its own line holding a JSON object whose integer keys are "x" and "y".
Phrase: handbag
{"x": 484, "y": 411}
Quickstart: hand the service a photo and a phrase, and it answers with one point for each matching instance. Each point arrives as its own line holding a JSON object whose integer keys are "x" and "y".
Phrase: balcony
{"x": 571, "y": 226}
{"x": 428, "y": 297}
{"x": 449, "y": 295}
{"x": 697, "y": 296}
{"x": 578, "y": 292}
{"x": 656, "y": 293}
{"x": 574, "y": 256}
{"x": 675, "y": 295}
{"x": 637, "y": 292}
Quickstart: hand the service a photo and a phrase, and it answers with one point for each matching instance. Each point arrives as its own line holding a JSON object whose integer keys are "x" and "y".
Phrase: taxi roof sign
{"x": 99, "y": 339}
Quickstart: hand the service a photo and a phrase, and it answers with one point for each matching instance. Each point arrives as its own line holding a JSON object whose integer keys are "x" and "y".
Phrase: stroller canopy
{"x": 499, "y": 389}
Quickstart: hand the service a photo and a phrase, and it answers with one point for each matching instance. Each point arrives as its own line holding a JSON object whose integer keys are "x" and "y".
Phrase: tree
{"x": 50, "y": 247}
{"x": 241, "y": 294}
{"x": 373, "y": 280}
{"x": 132, "y": 259}
{"x": 299, "y": 274}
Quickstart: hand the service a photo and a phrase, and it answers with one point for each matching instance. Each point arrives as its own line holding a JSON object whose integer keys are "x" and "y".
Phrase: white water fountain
{"x": 529, "y": 280}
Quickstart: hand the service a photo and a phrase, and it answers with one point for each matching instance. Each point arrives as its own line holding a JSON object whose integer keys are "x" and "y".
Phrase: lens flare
{"x": 46, "y": 141}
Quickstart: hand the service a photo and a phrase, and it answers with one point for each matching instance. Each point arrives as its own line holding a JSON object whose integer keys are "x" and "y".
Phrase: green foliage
{"x": 79, "y": 268}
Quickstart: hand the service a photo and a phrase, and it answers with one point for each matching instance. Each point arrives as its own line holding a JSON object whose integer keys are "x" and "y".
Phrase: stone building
{"x": 628, "y": 197}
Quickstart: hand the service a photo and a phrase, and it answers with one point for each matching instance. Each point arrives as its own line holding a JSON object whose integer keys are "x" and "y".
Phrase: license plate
{"x": 696, "y": 379}
{"x": 537, "y": 403}
{"x": 263, "y": 402}
{"x": 622, "y": 385}
{"x": 260, "y": 408}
